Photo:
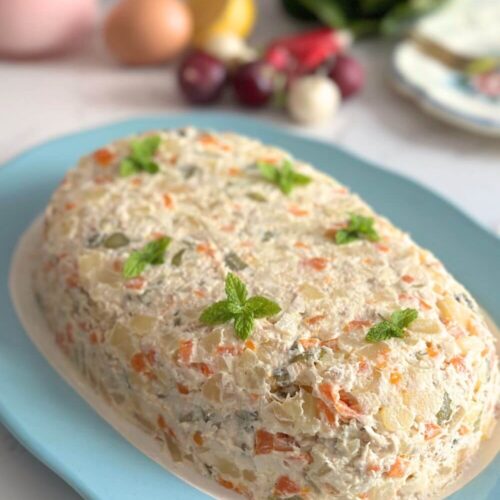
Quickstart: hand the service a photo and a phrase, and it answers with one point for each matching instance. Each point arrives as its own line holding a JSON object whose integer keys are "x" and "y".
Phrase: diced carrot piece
{"x": 317, "y": 263}
{"x": 250, "y": 344}
{"x": 226, "y": 484}
{"x": 168, "y": 201}
{"x": 363, "y": 364}
{"x": 356, "y": 324}
{"x": 136, "y": 181}
{"x": 203, "y": 368}
{"x": 382, "y": 248}
{"x": 309, "y": 343}
{"x": 117, "y": 266}
{"x": 229, "y": 349}
{"x": 314, "y": 319}
{"x": 103, "y": 157}
{"x": 300, "y": 244}
{"x": 206, "y": 249}
{"x": 69, "y": 205}
{"x": 373, "y": 468}
{"x": 297, "y": 211}
{"x": 285, "y": 486}
{"x": 135, "y": 283}
{"x": 182, "y": 389}
{"x": 395, "y": 377}
{"x": 424, "y": 305}
{"x": 431, "y": 350}
{"x": 234, "y": 171}
{"x": 93, "y": 338}
{"x": 283, "y": 442}
{"x": 431, "y": 431}
{"x": 138, "y": 362}
{"x": 185, "y": 351}
{"x": 348, "y": 405}
{"x": 407, "y": 278}
{"x": 397, "y": 469}
{"x": 459, "y": 363}
{"x": 197, "y": 438}
{"x": 208, "y": 139}
{"x": 264, "y": 442}
{"x": 463, "y": 430}
{"x": 324, "y": 410}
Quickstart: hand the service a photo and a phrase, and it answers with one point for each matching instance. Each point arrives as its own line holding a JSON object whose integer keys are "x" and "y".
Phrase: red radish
{"x": 202, "y": 78}
{"x": 253, "y": 83}
{"x": 348, "y": 74}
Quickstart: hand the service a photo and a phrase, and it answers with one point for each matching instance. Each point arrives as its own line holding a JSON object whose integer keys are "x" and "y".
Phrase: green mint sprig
{"x": 358, "y": 227}
{"x": 239, "y": 308}
{"x": 285, "y": 177}
{"x": 141, "y": 158}
{"x": 393, "y": 327}
{"x": 153, "y": 254}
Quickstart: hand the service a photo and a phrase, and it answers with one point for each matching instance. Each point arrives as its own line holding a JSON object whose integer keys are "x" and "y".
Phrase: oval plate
{"x": 58, "y": 427}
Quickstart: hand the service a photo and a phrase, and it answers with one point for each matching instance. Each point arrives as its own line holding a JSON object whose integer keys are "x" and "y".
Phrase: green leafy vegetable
{"x": 393, "y": 327}
{"x": 358, "y": 227}
{"x": 141, "y": 158}
{"x": 237, "y": 307}
{"x": 285, "y": 177}
{"x": 153, "y": 254}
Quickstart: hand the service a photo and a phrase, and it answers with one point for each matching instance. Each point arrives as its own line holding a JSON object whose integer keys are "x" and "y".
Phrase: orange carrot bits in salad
{"x": 284, "y": 487}
{"x": 198, "y": 438}
{"x": 324, "y": 410}
{"x": 103, "y": 157}
{"x": 203, "y": 368}
{"x": 264, "y": 442}
{"x": 309, "y": 343}
{"x": 168, "y": 201}
{"x": 185, "y": 351}
{"x": 135, "y": 283}
{"x": 297, "y": 211}
{"x": 312, "y": 320}
{"x": 182, "y": 389}
{"x": 407, "y": 278}
{"x": 431, "y": 431}
{"x": 283, "y": 442}
{"x": 397, "y": 469}
{"x": 317, "y": 263}
{"x": 232, "y": 350}
{"x": 459, "y": 363}
{"x": 225, "y": 483}
{"x": 138, "y": 362}
{"x": 395, "y": 377}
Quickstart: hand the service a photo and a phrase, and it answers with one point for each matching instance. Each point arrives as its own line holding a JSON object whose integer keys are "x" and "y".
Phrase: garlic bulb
{"x": 313, "y": 99}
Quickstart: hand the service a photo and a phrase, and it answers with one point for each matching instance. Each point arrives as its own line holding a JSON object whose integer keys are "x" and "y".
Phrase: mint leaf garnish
{"x": 358, "y": 227}
{"x": 393, "y": 327}
{"x": 152, "y": 254}
{"x": 286, "y": 178}
{"x": 238, "y": 308}
{"x": 141, "y": 158}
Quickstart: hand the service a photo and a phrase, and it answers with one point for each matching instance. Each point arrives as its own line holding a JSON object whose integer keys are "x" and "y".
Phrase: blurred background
{"x": 411, "y": 85}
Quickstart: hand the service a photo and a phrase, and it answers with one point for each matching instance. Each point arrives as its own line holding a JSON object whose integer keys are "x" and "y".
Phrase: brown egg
{"x": 147, "y": 31}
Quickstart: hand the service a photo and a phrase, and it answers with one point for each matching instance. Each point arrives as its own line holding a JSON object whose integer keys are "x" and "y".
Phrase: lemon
{"x": 215, "y": 17}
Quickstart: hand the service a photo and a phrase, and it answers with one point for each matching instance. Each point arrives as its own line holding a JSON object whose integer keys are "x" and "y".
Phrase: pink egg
{"x": 32, "y": 28}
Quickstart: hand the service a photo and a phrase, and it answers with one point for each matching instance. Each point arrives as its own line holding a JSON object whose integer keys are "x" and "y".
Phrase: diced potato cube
{"x": 396, "y": 417}
{"x": 425, "y": 325}
{"x": 142, "y": 324}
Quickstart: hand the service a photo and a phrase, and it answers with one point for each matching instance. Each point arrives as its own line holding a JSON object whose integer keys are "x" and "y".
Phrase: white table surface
{"x": 42, "y": 99}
